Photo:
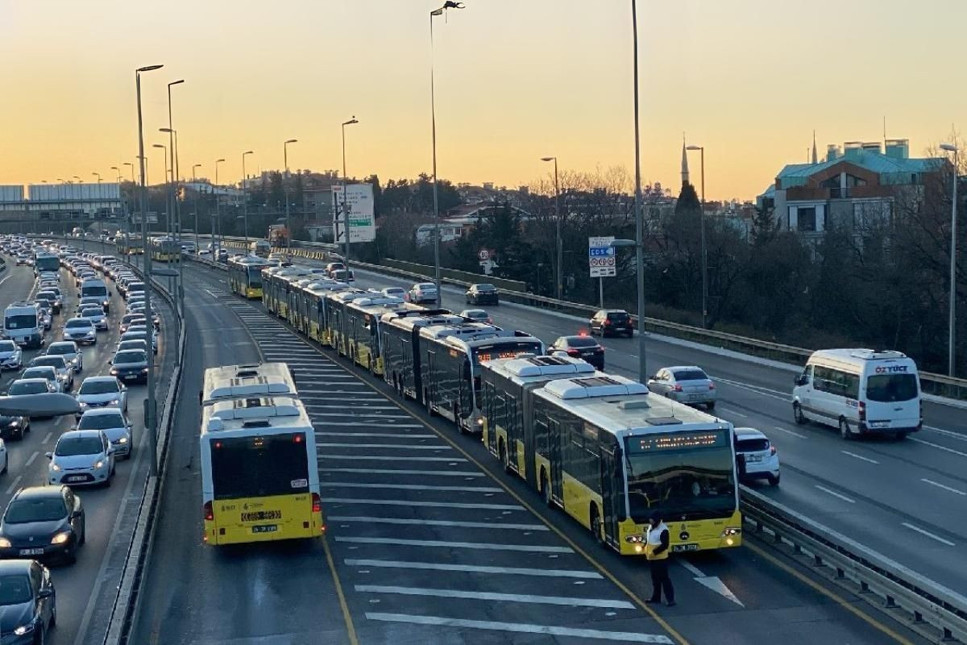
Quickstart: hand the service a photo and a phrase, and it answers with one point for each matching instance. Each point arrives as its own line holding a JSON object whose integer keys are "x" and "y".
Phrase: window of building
{"x": 806, "y": 219}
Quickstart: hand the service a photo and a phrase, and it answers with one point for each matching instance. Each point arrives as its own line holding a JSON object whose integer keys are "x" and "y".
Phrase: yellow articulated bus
{"x": 277, "y": 282}
{"x": 313, "y": 310}
{"x": 362, "y": 322}
{"x": 245, "y": 276}
{"x": 609, "y": 453}
{"x": 336, "y": 304}
{"x": 260, "y": 481}
{"x": 165, "y": 249}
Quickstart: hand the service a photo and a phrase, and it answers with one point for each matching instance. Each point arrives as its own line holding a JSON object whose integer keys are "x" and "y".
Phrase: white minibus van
{"x": 860, "y": 392}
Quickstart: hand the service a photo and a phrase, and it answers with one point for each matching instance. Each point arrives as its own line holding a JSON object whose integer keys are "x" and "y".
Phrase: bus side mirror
{"x": 801, "y": 379}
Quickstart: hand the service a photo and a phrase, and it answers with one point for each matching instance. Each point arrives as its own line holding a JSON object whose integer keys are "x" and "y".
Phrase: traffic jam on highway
{"x": 44, "y": 341}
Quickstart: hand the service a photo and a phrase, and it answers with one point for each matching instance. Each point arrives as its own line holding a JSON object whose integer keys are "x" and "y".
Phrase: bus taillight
{"x": 208, "y": 511}
{"x": 316, "y": 503}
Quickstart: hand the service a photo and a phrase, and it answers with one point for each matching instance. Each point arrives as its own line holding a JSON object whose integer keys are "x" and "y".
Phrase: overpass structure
{"x": 61, "y": 201}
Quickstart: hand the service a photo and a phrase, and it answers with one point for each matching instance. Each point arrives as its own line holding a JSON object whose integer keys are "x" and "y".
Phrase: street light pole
{"x": 285, "y": 189}
{"x": 449, "y": 4}
{"x": 245, "y": 198}
{"x": 216, "y": 218}
{"x": 952, "y": 314}
{"x": 150, "y": 409}
{"x": 701, "y": 150}
{"x": 167, "y": 192}
{"x": 194, "y": 180}
{"x": 345, "y": 203}
{"x": 98, "y": 175}
{"x": 557, "y": 218}
{"x": 176, "y": 206}
{"x": 639, "y": 224}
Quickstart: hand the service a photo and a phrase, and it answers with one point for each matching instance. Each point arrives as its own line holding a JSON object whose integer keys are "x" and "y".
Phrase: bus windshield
{"x": 889, "y": 388}
{"x": 684, "y": 474}
{"x": 255, "y": 276}
{"x": 23, "y": 321}
{"x": 259, "y": 466}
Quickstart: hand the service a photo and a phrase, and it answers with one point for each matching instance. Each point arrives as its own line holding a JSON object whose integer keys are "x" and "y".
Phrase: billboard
{"x": 601, "y": 257}
{"x": 359, "y": 203}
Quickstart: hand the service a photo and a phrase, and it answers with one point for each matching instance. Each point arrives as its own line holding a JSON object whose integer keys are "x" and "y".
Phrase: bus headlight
{"x": 635, "y": 539}
{"x": 730, "y": 531}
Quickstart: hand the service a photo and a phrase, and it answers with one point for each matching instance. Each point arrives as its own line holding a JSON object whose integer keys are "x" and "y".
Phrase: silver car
{"x": 71, "y": 353}
{"x": 64, "y": 370}
{"x": 11, "y": 356}
{"x": 80, "y": 330}
{"x": 685, "y": 384}
{"x": 44, "y": 372}
{"x": 95, "y": 315}
{"x": 114, "y": 424}
{"x": 102, "y": 392}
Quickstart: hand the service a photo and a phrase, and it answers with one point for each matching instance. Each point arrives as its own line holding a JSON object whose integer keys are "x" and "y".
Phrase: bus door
{"x": 464, "y": 393}
{"x": 612, "y": 491}
{"x": 556, "y": 444}
{"x": 429, "y": 378}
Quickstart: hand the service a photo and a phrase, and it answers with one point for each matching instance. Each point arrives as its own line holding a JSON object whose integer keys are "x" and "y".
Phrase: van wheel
{"x": 900, "y": 436}
{"x": 844, "y": 430}
{"x": 798, "y": 415}
{"x": 774, "y": 481}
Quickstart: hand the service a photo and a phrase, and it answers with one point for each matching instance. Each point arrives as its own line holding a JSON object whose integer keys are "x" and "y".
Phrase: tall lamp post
{"x": 216, "y": 218}
{"x": 130, "y": 165}
{"x": 449, "y": 4}
{"x": 150, "y": 409}
{"x": 639, "y": 223}
{"x": 701, "y": 150}
{"x": 245, "y": 198}
{"x": 193, "y": 180}
{"x": 285, "y": 190}
{"x": 557, "y": 218}
{"x": 175, "y": 226}
{"x": 98, "y": 175}
{"x": 345, "y": 202}
{"x": 168, "y": 192}
{"x": 172, "y": 142}
{"x": 952, "y": 315}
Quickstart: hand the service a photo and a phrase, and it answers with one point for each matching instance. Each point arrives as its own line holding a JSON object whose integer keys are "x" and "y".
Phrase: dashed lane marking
{"x": 419, "y": 473}
{"x": 928, "y": 534}
{"x": 835, "y": 494}
{"x": 946, "y": 488}
{"x": 441, "y": 523}
{"x": 469, "y": 568}
{"x": 407, "y": 502}
{"x": 860, "y": 457}
{"x": 395, "y": 486}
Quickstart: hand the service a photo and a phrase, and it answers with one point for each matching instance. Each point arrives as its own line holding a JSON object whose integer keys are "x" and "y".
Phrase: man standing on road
{"x": 656, "y": 550}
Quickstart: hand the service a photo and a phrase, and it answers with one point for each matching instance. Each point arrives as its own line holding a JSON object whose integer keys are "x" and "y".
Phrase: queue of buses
{"x": 599, "y": 446}
{"x": 162, "y": 249}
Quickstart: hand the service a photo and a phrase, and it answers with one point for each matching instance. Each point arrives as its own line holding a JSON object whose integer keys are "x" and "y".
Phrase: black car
{"x": 483, "y": 294}
{"x": 13, "y": 426}
{"x": 28, "y": 602}
{"x": 612, "y": 322}
{"x": 42, "y": 522}
{"x": 583, "y": 347}
{"x": 130, "y": 365}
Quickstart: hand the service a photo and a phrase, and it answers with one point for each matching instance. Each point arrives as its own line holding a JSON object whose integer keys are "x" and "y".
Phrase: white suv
{"x": 761, "y": 457}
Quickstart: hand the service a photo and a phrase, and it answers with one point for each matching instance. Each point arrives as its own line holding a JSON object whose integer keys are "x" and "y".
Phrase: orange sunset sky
{"x": 516, "y": 80}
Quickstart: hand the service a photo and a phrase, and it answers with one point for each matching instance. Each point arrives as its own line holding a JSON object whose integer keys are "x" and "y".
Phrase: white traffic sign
{"x": 359, "y": 202}
{"x": 483, "y": 255}
{"x": 601, "y": 257}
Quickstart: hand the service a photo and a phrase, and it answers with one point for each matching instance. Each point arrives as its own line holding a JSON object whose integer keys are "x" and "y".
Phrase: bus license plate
{"x": 677, "y": 548}
{"x": 265, "y": 528}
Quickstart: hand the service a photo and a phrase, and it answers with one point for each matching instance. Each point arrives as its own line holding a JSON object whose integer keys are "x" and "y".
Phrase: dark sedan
{"x": 583, "y": 347}
{"x": 13, "y": 427}
{"x": 130, "y": 365}
{"x": 612, "y": 322}
{"x": 28, "y": 604}
{"x": 42, "y": 522}
{"x": 483, "y": 294}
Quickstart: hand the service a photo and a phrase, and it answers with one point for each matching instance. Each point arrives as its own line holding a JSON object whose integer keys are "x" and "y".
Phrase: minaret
{"x": 815, "y": 157}
{"x": 684, "y": 162}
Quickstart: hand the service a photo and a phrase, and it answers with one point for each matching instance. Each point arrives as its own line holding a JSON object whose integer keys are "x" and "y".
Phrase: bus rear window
{"x": 259, "y": 466}
{"x": 888, "y": 388}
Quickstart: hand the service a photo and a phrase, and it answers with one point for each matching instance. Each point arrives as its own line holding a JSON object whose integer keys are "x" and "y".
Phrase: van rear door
{"x": 892, "y": 395}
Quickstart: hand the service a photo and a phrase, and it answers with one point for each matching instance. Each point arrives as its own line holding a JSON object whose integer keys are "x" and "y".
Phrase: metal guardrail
{"x": 930, "y": 609}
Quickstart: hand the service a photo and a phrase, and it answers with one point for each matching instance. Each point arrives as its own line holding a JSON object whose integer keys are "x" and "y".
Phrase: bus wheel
{"x": 429, "y": 405}
{"x": 546, "y": 489}
{"x": 597, "y": 527}
{"x": 844, "y": 430}
{"x": 798, "y": 415}
{"x": 504, "y": 459}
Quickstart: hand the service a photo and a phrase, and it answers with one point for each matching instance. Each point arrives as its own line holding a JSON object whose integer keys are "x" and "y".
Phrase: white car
{"x": 11, "y": 356}
{"x": 760, "y": 456}
{"x": 80, "y": 330}
{"x": 96, "y": 316}
{"x": 71, "y": 353}
{"x": 686, "y": 384}
{"x": 63, "y": 369}
{"x": 44, "y": 372}
{"x": 395, "y": 292}
{"x": 81, "y": 457}
{"x": 423, "y": 292}
{"x": 114, "y": 424}
{"x": 102, "y": 391}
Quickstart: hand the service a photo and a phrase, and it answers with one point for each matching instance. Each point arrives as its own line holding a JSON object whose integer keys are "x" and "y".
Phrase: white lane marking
{"x": 395, "y": 486}
{"x": 835, "y": 494}
{"x": 324, "y": 406}
{"x": 384, "y": 435}
{"x": 433, "y": 473}
{"x": 13, "y": 485}
{"x": 939, "y": 447}
{"x": 443, "y": 523}
{"x": 468, "y": 568}
{"x": 373, "y": 458}
{"x": 480, "y": 546}
{"x": 520, "y": 628}
{"x": 775, "y": 394}
{"x": 395, "y": 446}
{"x": 732, "y": 412}
{"x": 599, "y": 603}
{"x": 860, "y": 457}
{"x": 407, "y": 502}
{"x": 947, "y": 433}
{"x": 795, "y": 434}
{"x": 712, "y": 583}
{"x": 355, "y": 413}
{"x": 939, "y": 485}
{"x": 31, "y": 459}
{"x": 691, "y": 567}
{"x": 47, "y": 438}
{"x": 928, "y": 534}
